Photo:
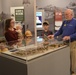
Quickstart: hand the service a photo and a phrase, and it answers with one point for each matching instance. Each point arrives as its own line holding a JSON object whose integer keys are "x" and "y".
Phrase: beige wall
{"x": 58, "y": 3}
{"x": 6, "y": 4}
{"x": 0, "y": 6}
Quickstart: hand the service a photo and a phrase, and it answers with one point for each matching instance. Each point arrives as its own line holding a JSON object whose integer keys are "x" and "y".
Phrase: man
{"x": 46, "y": 30}
{"x": 68, "y": 33}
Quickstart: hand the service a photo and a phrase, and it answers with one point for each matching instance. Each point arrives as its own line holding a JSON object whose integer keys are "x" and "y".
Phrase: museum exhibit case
{"x": 47, "y": 57}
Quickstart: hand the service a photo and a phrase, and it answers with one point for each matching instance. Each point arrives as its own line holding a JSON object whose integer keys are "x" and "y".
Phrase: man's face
{"x": 68, "y": 15}
{"x": 46, "y": 27}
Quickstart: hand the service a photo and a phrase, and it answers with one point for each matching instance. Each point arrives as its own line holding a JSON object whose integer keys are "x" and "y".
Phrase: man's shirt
{"x": 68, "y": 28}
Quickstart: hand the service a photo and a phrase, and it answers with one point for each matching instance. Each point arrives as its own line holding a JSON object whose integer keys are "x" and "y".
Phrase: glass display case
{"x": 27, "y": 50}
{"x": 36, "y": 59}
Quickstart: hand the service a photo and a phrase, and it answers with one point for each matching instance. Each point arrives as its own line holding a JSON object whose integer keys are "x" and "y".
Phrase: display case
{"x": 29, "y": 51}
{"x": 47, "y": 57}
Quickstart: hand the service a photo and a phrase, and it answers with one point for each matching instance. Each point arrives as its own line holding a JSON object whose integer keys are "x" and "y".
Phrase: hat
{"x": 46, "y": 23}
{"x": 28, "y": 33}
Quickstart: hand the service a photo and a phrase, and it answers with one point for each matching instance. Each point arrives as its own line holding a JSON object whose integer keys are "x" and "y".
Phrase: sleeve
{"x": 10, "y": 37}
{"x": 59, "y": 32}
{"x": 73, "y": 36}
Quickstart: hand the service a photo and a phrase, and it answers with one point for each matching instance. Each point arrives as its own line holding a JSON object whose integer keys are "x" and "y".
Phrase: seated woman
{"x": 10, "y": 32}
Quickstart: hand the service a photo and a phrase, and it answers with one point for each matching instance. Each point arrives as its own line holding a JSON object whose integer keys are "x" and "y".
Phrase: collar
{"x": 68, "y": 21}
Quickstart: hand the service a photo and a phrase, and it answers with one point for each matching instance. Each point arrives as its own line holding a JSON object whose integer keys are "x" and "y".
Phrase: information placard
{"x": 19, "y": 14}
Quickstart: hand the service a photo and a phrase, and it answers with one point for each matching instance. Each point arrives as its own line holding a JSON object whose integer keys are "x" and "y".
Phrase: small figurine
{"x": 28, "y": 37}
{"x": 28, "y": 34}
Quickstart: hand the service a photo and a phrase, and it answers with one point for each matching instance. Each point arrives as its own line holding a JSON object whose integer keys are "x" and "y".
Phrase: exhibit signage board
{"x": 19, "y": 14}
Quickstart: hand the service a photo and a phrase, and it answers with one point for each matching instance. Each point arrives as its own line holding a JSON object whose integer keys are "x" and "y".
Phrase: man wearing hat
{"x": 46, "y": 30}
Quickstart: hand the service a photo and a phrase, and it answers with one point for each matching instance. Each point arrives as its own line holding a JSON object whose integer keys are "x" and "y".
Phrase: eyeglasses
{"x": 12, "y": 22}
{"x": 67, "y": 14}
